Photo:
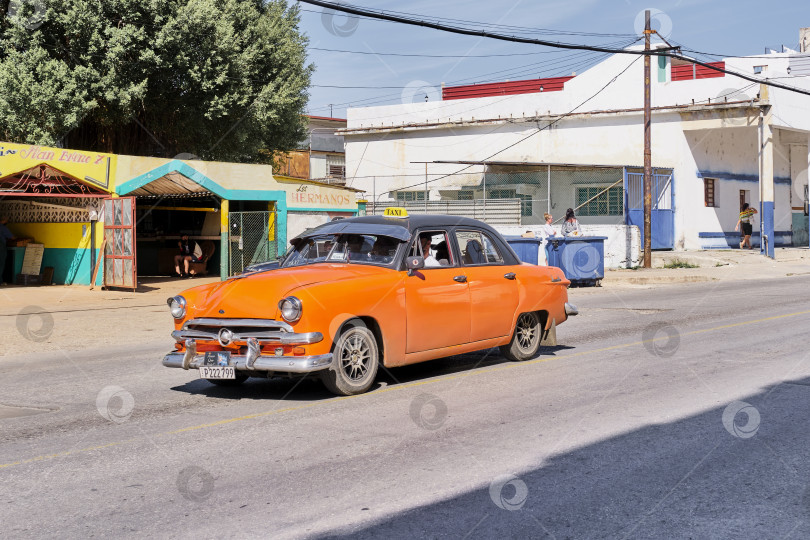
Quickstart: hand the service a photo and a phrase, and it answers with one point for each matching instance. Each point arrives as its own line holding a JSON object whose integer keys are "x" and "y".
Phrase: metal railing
{"x": 492, "y": 211}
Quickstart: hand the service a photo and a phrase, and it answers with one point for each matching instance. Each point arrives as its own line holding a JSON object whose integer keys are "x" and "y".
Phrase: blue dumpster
{"x": 527, "y": 249}
{"x": 581, "y": 258}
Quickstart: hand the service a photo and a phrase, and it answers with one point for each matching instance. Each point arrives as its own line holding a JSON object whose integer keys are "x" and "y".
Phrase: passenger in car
{"x": 474, "y": 253}
{"x": 430, "y": 260}
{"x": 443, "y": 254}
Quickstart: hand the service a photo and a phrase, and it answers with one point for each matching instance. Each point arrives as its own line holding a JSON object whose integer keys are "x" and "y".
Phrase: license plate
{"x": 217, "y": 372}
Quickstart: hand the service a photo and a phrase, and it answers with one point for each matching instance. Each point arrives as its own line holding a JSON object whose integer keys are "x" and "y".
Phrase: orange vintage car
{"x": 351, "y": 295}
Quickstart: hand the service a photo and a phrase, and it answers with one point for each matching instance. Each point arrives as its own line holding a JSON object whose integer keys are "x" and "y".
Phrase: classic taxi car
{"x": 351, "y": 295}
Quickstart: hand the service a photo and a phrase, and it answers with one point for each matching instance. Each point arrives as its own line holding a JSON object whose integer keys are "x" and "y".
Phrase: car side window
{"x": 477, "y": 248}
{"x": 434, "y": 246}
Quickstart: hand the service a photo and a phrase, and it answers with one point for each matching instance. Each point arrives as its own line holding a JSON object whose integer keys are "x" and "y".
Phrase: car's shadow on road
{"x": 310, "y": 387}
{"x": 452, "y": 365}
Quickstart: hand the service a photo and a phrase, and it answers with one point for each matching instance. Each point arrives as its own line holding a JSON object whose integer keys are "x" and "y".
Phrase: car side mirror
{"x": 414, "y": 263}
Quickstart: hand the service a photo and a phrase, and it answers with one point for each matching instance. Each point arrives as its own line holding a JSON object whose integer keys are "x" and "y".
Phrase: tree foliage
{"x": 221, "y": 79}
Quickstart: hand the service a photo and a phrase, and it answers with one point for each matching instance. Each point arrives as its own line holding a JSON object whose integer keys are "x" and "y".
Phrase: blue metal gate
{"x": 663, "y": 214}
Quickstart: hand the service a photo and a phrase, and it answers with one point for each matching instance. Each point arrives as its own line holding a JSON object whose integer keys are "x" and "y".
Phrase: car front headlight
{"x": 291, "y": 308}
{"x": 177, "y": 305}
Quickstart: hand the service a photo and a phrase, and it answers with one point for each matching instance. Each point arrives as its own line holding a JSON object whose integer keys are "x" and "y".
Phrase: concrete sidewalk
{"x": 713, "y": 265}
{"x": 152, "y": 291}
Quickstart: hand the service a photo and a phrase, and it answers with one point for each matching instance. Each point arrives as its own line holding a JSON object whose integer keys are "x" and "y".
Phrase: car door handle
{"x": 460, "y": 279}
{"x": 509, "y": 275}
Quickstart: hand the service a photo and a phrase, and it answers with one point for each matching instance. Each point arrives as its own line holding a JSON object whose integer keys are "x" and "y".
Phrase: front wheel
{"x": 355, "y": 362}
{"x": 526, "y": 338}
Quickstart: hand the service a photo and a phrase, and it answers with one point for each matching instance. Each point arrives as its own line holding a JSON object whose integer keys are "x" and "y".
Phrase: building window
{"x": 502, "y": 194}
{"x": 466, "y": 195}
{"x": 598, "y": 201}
{"x": 708, "y": 192}
{"x": 525, "y": 205}
{"x": 525, "y": 200}
{"x": 410, "y": 196}
{"x": 336, "y": 171}
{"x": 759, "y": 69}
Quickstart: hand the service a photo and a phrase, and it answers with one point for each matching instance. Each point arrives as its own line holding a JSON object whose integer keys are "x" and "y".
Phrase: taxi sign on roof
{"x": 396, "y": 212}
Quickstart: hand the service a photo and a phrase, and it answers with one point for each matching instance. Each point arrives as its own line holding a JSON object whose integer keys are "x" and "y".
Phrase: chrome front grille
{"x": 239, "y": 331}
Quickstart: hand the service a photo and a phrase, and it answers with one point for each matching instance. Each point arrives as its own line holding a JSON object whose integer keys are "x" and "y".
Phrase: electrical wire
{"x": 590, "y": 61}
{"x": 532, "y": 134}
{"x": 503, "y": 27}
{"x": 433, "y": 55}
{"x": 517, "y": 39}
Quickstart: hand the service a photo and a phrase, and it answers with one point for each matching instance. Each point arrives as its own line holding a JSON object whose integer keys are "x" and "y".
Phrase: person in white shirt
{"x": 547, "y": 229}
{"x": 430, "y": 260}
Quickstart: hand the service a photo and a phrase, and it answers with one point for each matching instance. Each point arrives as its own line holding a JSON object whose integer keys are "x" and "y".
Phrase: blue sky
{"x": 743, "y": 27}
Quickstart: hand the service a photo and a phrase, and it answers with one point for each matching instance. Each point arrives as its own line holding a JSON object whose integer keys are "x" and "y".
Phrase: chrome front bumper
{"x": 252, "y": 333}
{"x": 280, "y": 364}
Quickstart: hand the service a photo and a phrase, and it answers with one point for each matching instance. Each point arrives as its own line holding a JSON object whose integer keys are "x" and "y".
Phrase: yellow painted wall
{"x": 58, "y": 235}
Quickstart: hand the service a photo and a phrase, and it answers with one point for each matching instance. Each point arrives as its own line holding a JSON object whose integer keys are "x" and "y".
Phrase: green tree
{"x": 221, "y": 79}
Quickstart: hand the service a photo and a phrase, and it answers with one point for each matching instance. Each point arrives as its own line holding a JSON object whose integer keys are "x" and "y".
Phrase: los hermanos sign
{"x": 328, "y": 198}
{"x": 91, "y": 167}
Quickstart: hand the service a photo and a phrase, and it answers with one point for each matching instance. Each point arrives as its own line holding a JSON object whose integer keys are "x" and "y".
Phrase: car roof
{"x": 403, "y": 228}
{"x": 400, "y": 228}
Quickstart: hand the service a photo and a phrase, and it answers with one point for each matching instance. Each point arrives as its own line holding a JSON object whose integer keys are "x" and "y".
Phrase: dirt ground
{"x": 69, "y": 318}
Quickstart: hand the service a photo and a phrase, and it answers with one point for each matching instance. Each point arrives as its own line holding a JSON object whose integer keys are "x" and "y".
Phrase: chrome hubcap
{"x": 526, "y": 332}
{"x": 355, "y": 357}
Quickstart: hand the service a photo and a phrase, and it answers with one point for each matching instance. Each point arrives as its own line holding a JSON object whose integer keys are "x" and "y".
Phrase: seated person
{"x": 383, "y": 250}
{"x": 474, "y": 253}
{"x": 189, "y": 252}
{"x": 424, "y": 243}
{"x": 443, "y": 253}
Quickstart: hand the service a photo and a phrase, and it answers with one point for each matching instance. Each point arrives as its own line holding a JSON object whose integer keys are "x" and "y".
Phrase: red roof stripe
{"x": 506, "y": 88}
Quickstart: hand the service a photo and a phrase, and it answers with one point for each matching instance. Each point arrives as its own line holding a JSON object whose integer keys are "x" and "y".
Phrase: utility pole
{"x": 426, "y": 188}
{"x": 647, "y": 148}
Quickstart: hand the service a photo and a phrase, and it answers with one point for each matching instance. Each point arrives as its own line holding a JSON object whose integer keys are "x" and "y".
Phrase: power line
{"x": 504, "y": 27}
{"x": 517, "y": 39}
{"x": 432, "y": 55}
{"x": 591, "y": 60}
{"x": 538, "y": 130}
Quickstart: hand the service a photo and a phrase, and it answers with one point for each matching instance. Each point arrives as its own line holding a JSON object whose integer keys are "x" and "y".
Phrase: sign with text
{"x": 313, "y": 196}
{"x": 94, "y": 168}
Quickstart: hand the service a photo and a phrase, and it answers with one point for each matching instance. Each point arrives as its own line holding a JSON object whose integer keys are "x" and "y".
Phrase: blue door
{"x": 662, "y": 216}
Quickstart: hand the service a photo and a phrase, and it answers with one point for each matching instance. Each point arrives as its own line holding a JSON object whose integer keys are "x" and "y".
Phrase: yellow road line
{"x": 414, "y": 384}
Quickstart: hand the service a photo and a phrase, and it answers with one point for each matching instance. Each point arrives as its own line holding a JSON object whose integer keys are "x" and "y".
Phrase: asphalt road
{"x": 675, "y": 412}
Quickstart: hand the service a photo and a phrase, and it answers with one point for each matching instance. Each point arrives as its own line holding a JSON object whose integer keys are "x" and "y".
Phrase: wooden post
{"x": 647, "y": 148}
{"x": 98, "y": 262}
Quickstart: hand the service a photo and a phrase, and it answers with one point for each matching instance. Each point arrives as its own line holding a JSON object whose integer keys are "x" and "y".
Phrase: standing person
{"x": 571, "y": 226}
{"x": 547, "y": 229}
{"x": 189, "y": 252}
{"x": 5, "y": 235}
{"x": 746, "y": 220}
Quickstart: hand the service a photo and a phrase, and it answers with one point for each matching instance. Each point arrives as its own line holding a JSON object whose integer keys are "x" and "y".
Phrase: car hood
{"x": 256, "y": 296}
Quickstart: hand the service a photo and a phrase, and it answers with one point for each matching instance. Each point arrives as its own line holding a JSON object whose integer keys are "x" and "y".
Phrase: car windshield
{"x": 351, "y": 248}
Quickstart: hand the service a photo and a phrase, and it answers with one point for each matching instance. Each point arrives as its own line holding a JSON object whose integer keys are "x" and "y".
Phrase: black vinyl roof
{"x": 403, "y": 228}
{"x": 399, "y": 228}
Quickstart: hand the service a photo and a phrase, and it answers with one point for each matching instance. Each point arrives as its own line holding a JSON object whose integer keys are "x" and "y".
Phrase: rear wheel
{"x": 355, "y": 363}
{"x": 526, "y": 338}
{"x": 240, "y": 378}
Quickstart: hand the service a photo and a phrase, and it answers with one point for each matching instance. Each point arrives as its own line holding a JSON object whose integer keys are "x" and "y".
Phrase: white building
{"x": 578, "y": 142}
